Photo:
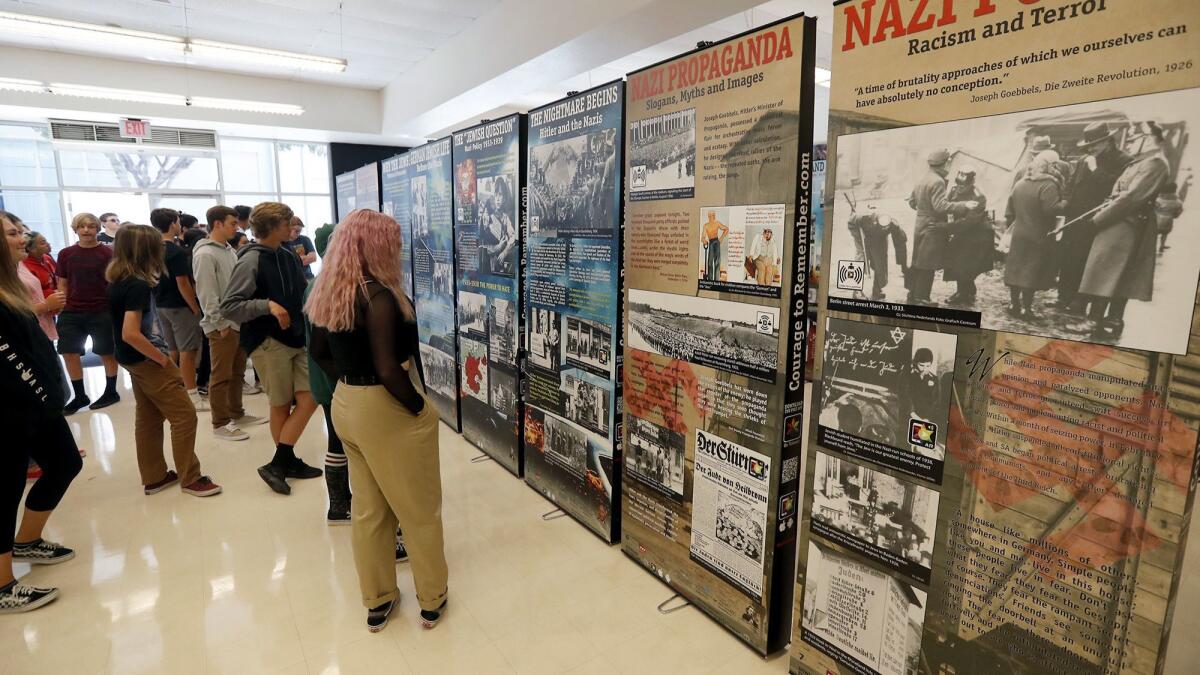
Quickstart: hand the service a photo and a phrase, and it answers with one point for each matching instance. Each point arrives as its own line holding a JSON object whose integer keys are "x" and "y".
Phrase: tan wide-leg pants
{"x": 395, "y": 475}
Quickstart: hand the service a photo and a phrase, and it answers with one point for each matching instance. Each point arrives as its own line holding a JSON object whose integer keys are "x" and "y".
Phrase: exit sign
{"x": 131, "y": 128}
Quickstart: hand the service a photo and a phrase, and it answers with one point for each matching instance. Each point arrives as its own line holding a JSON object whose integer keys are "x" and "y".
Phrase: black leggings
{"x": 51, "y": 445}
{"x": 204, "y": 367}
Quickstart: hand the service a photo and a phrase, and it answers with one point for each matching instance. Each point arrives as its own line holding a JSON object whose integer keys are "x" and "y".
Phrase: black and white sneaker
{"x": 377, "y": 618}
{"x": 16, "y": 598}
{"x": 431, "y": 618}
{"x": 401, "y": 552}
{"x": 41, "y": 552}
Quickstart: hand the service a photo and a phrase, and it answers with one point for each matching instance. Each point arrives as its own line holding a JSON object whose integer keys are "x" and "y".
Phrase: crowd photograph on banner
{"x": 662, "y": 161}
{"x": 586, "y": 400}
{"x": 732, "y": 336}
{"x": 881, "y": 381}
{"x": 502, "y": 390}
{"x": 1067, "y": 222}
{"x": 886, "y": 512}
{"x": 566, "y": 443}
{"x": 472, "y": 310}
{"x": 655, "y": 454}
{"x": 571, "y": 183}
{"x": 441, "y": 373}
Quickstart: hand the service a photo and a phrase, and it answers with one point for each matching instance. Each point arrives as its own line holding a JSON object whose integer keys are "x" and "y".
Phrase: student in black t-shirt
{"x": 158, "y": 389}
{"x": 179, "y": 311}
{"x": 303, "y": 247}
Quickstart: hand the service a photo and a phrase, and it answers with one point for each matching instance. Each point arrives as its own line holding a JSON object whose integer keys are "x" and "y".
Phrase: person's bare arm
{"x": 131, "y": 333}
{"x": 309, "y": 258}
{"x": 62, "y": 287}
{"x": 189, "y": 293}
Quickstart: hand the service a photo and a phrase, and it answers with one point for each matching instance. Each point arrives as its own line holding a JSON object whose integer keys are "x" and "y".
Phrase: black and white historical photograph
{"x": 870, "y": 617}
{"x": 1069, "y": 222}
{"x": 472, "y": 312}
{"x": 663, "y": 156}
{"x": 589, "y": 343}
{"x": 877, "y": 509}
{"x": 497, "y": 214}
{"x": 572, "y": 183}
{"x": 502, "y": 330}
{"x": 741, "y": 248}
{"x": 737, "y": 337}
{"x": 545, "y": 338}
{"x": 474, "y": 377}
{"x": 566, "y": 443}
{"x": 420, "y": 206}
{"x": 587, "y": 400}
{"x": 503, "y": 387}
{"x": 441, "y": 373}
{"x": 443, "y": 279}
{"x": 883, "y": 383}
{"x": 739, "y": 527}
{"x": 655, "y": 455}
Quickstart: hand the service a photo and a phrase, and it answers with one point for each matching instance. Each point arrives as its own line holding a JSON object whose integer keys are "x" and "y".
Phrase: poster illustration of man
{"x": 712, "y": 235}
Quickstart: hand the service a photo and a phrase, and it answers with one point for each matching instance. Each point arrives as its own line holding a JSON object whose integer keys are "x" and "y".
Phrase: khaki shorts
{"x": 283, "y": 370}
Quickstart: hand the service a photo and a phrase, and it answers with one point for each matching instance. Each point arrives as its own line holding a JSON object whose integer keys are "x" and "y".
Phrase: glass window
{"x": 40, "y": 212}
{"x": 314, "y": 211}
{"x": 133, "y": 207}
{"x": 248, "y": 165}
{"x": 196, "y": 205}
{"x": 303, "y": 167}
{"x": 248, "y": 199}
{"x": 26, "y": 156}
{"x": 139, "y": 170}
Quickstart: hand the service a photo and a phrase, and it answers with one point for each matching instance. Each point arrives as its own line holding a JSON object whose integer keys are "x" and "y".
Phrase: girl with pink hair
{"x": 365, "y": 335}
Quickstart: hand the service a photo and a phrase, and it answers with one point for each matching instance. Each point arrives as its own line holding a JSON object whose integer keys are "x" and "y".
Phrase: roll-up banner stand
{"x": 718, "y": 168}
{"x": 489, "y": 169}
{"x": 1001, "y": 461}
{"x": 572, "y": 388}
{"x": 395, "y": 193}
{"x": 430, "y": 202}
{"x": 346, "y": 185}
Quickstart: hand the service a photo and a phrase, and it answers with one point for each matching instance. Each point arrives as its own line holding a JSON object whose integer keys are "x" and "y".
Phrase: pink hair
{"x": 364, "y": 245}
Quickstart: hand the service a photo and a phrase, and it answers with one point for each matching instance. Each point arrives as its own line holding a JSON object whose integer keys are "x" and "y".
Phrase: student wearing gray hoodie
{"x": 212, "y": 266}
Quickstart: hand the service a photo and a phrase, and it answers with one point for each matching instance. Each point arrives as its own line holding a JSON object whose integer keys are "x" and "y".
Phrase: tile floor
{"x": 253, "y": 582}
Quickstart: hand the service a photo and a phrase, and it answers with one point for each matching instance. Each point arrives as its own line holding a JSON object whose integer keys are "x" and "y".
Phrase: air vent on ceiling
{"x": 101, "y": 132}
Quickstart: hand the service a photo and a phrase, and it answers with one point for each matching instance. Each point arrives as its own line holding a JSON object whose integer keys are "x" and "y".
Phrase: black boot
{"x": 337, "y": 481}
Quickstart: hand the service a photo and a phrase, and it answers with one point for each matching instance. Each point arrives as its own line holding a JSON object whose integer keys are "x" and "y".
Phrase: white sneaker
{"x": 230, "y": 432}
{"x": 250, "y": 421}
{"x": 250, "y": 389}
{"x": 200, "y": 402}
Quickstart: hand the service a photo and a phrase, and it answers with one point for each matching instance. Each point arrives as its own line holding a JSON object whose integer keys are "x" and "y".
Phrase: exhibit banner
{"x": 719, "y": 167}
{"x": 430, "y": 202}
{"x": 366, "y": 187}
{"x": 346, "y": 185}
{"x": 572, "y": 291}
{"x": 489, "y": 170}
{"x": 395, "y": 189}
{"x": 1002, "y": 455}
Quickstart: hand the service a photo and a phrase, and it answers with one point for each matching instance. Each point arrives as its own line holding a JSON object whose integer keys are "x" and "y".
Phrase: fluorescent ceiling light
{"x": 17, "y": 84}
{"x": 265, "y": 57}
{"x": 68, "y": 31}
{"x": 109, "y": 93}
{"x": 144, "y": 43}
{"x": 246, "y": 106}
{"x": 823, "y": 77}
